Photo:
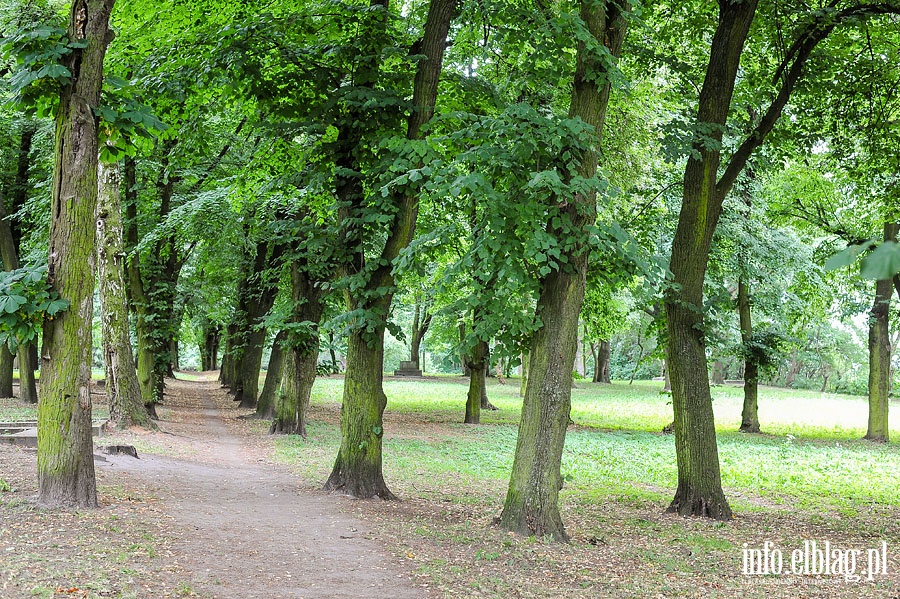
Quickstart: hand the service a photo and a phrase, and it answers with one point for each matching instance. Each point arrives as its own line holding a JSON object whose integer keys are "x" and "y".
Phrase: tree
{"x": 123, "y": 392}
{"x": 705, "y": 188}
{"x": 357, "y": 470}
{"x": 531, "y": 505}
{"x": 65, "y": 449}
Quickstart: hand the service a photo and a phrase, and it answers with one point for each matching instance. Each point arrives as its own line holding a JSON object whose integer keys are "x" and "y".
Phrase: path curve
{"x": 244, "y": 528}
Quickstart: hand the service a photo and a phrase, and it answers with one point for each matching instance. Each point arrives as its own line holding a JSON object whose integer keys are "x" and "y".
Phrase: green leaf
{"x": 883, "y": 262}
{"x": 847, "y": 256}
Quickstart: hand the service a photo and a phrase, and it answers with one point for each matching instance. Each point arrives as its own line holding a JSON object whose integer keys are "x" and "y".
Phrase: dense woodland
{"x": 695, "y": 191}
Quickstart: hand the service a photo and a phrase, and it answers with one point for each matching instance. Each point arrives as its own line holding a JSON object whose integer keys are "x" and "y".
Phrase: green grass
{"x": 812, "y": 455}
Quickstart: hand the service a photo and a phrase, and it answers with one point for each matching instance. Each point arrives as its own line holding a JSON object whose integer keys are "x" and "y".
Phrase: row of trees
{"x": 508, "y": 169}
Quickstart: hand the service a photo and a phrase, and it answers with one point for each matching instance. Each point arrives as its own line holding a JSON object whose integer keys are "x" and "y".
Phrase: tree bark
{"x": 265, "y": 407}
{"x": 880, "y": 353}
{"x": 303, "y": 355}
{"x": 477, "y": 382}
{"x": 699, "y": 490}
{"x": 256, "y": 296}
{"x": 750, "y": 411}
{"x": 601, "y": 368}
{"x": 421, "y": 324}
{"x": 123, "y": 391}
{"x": 532, "y": 501}
{"x": 209, "y": 346}
{"x": 357, "y": 469}
{"x": 65, "y": 460}
{"x": 6, "y": 372}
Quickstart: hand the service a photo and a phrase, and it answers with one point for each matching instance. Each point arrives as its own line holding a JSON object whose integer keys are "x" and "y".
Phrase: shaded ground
{"x": 205, "y": 515}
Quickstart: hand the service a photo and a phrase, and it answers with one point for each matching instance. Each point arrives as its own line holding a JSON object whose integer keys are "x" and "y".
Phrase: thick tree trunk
{"x": 750, "y": 411}
{"x": 477, "y": 383}
{"x": 880, "y": 353}
{"x": 65, "y": 450}
{"x": 123, "y": 391}
{"x": 357, "y": 469}
{"x": 718, "y": 373}
{"x": 303, "y": 356}
{"x": 601, "y": 369}
{"x": 296, "y": 387}
{"x": 265, "y": 407}
{"x": 532, "y": 501}
{"x": 699, "y": 490}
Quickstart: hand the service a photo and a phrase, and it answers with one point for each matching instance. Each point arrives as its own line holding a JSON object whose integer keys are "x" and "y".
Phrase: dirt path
{"x": 243, "y": 528}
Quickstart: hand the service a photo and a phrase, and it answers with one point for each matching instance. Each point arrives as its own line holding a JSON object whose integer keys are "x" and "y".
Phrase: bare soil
{"x": 203, "y": 512}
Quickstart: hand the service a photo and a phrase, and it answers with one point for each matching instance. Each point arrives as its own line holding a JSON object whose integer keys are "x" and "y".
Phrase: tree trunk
{"x": 532, "y": 505}
{"x": 27, "y": 363}
{"x": 357, "y": 469}
{"x": 302, "y": 357}
{"x": 209, "y": 347}
{"x": 6, "y": 372}
{"x": 265, "y": 407}
{"x": 10, "y": 241}
{"x": 463, "y": 362}
{"x": 65, "y": 460}
{"x": 749, "y": 413}
{"x": 477, "y": 383}
{"x": 149, "y": 342}
{"x": 256, "y": 296}
{"x": 293, "y": 401}
{"x": 123, "y": 392}
{"x": 601, "y": 370}
{"x": 880, "y": 353}
{"x": 699, "y": 490}
{"x": 718, "y": 373}
{"x": 524, "y": 384}
{"x": 793, "y": 371}
{"x": 579, "y": 355}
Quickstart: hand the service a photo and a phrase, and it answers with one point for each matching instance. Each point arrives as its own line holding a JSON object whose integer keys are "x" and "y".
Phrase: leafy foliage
{"x": 25, "y": 299}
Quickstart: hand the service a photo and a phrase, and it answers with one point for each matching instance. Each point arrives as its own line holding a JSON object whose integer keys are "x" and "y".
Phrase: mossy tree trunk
{"x": 65, "y": 460}
{"x": 123, "y": 392}
{"x": 302, "y": 355}
{"x": 357, "y": 469}
{"x": 750, "y": 410}
{"x": 880, "y": 353}
{"x": 532, "y": 501}
{"x": 699, "y": 486}
{"x": 265, "y": 406}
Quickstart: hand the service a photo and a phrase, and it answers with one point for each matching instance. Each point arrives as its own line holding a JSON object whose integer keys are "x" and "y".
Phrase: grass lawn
{"x": 810, "y": 475}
